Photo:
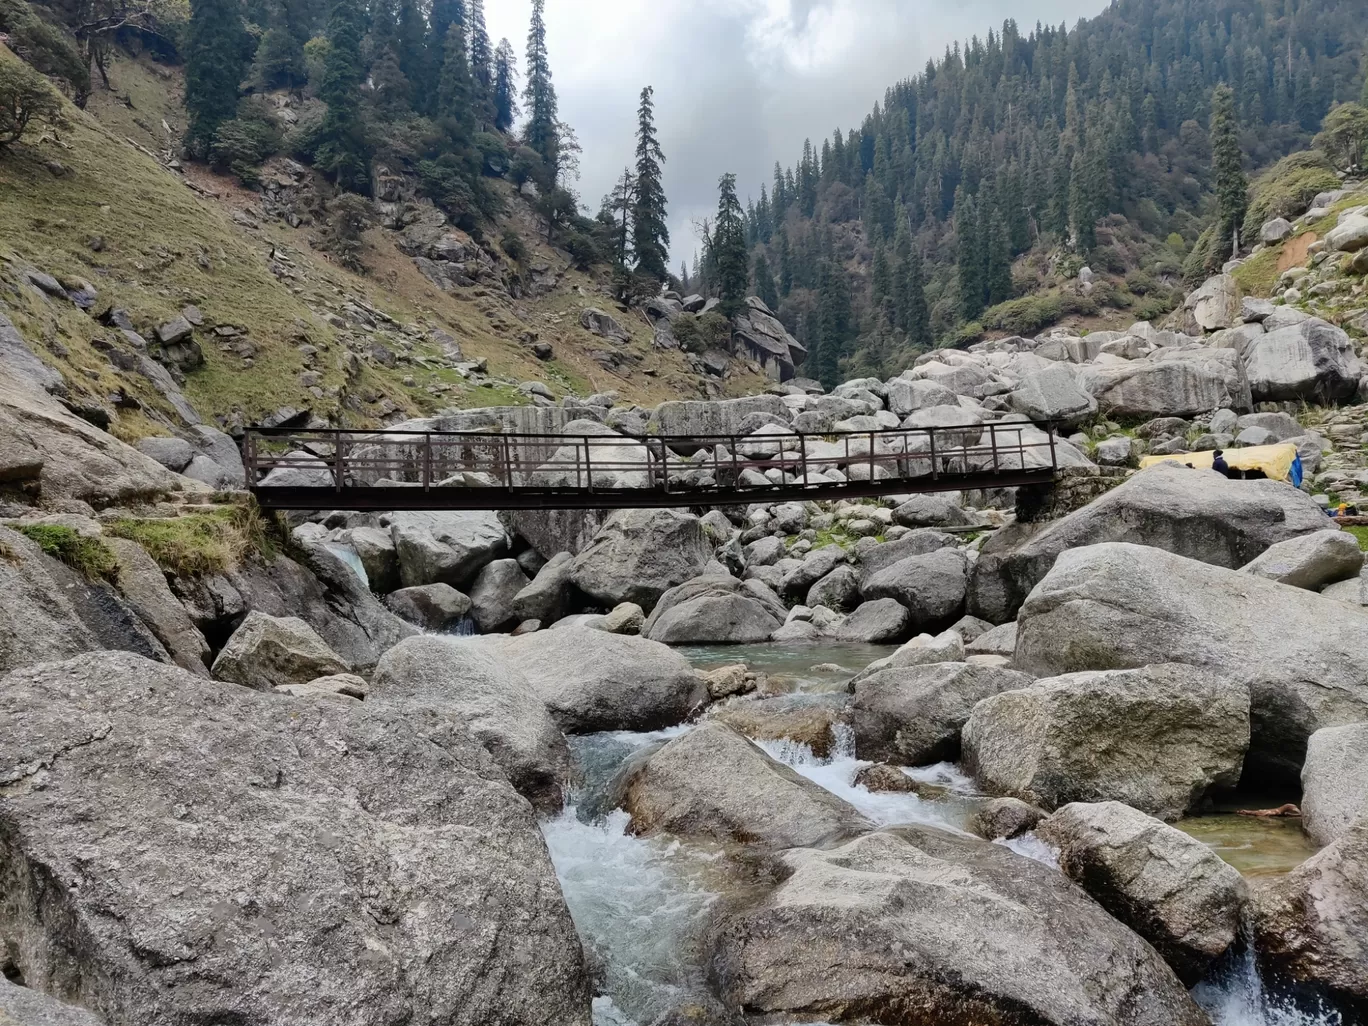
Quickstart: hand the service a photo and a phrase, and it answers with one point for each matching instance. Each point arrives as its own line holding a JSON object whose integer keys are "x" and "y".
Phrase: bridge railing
{"x": 283, "y": 460}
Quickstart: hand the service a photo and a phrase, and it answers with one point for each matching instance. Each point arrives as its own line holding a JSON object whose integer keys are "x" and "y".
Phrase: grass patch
{"x": 1258, "y": 275}
{"x": 198, "y": 544}
{"x": 89, "y": 557}
{"x": 1287, "y": 189}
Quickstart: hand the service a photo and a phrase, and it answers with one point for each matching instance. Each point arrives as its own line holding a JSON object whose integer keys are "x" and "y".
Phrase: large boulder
{"x": 1215, "y": 305}
{"x": 695, "y": 418}
{"x": 712, "y": 611}
{"x": 494, "y": 701}
{"x": 913, "y": 715}
{"x": 596, "y": 322}
{"x": 1310, "y": 360}
{"x": 20, "y": 1006}
{"x": 1304, "y": 658}
{"x": 448, "y": 547}
{"x": 266, "y": 652}
{"x": 493, "y": 595}
{"x": 878, "y": 622}
{"x": 546, "y": 596}
{"x": 1335, "y": 781}
{"x": 1195, "y": 513}
{"x": 639, "y": 555}
{"x": 1310, "y": 561}
{"x": 1159, "y": 739}
{"x": 1170, "y": 383}
{"x": 1311, "y": 924}
{"x": 366, "y": 840}
{"x": 433, "y": 607}
{"x": 919, "y": 926}
{"x": 593, "y": 681}
{"x": 1170, "y": 888}
{"x": 932, "y": 587}
{"x": 49, "y": 611}
{"x": 67, "y": 457}
{"x": 143, "y": 586}
{"x": 1053, "y": 394}
{"x": 713, "y": 783}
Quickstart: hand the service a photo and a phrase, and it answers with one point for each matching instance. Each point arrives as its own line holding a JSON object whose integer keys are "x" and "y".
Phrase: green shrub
{"x": 25, "y": 98}
{"x": 89, "y": 557}
{"x": 697, "y": 334}
{"x": 494, "y": 153}
{"x": 513, "y": 246}
{"x": 1203, "y": 261}
{"x": 963, "y": 335}
{"x": 243, "y": 144}
{"x": 1141, "y": 283}
{"x": 44, "y": 45}
{"x": 1287, "y": 189}
{"x": 583, "y": 250}
{"x": 1024, "y": 316}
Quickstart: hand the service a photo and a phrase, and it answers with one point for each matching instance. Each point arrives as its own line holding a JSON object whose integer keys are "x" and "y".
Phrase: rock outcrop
{"x": 266, "y": 652}
{"x": 929, "y": 927}
{"x": 713, "y": 783}
{"x": 913, "y": 715}
{"x": 592, "y": 681}
{"x": 641, "y": 554}
{"x": 1170, "y": 888}
{"x": 494, "y": 701}
{"x": 1158, "y": 739}
{"x": 369, "y": 838}
{"x": 1303, "y": 657}
{"x": 1194, "y": 513}
{"x": 713, "y": 610}
{"x": 1335, "y": 781}
{"x": 1311, "y": 924}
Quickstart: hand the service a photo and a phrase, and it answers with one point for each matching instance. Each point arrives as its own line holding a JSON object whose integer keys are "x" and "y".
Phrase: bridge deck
{"x": 400, "y": 470}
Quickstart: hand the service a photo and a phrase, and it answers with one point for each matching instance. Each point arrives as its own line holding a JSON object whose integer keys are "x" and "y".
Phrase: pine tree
{"x": 764, "y": 282}
{"x": 543, "y": 129}
{"x": 454, "y": 88}
{"x": 481, "y": 65}
{"x": 216, "y": 53}
{"x": 620, "y": 204}
{"x": 835, "y": 322}
{"x": 785, "y": 265}
{"x": 916, "y": 314}
{"x": 685, "y": 282}
{"x": 412, "y": 51}
{"x": 344, "y": 150}
{"x": 999, "y": 283}
{"x": 728, "y": 250}
{"x": 1232, "y": 187}
{"x": 279, "y": 61}
{"x": 650, "y": 231}
{"x": 1082, "y": 205}
{"x": 881, "y": 280}
{"x": 505, "y": 86}
{"x": 968, "y": 237}
{"x": 445, "y": 13}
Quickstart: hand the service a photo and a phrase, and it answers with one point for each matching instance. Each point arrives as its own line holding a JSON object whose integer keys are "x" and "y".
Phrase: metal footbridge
{"x": 405, "y": 470}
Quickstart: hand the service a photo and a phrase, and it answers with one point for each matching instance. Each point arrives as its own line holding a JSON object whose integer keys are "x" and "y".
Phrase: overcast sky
{"x": 739, "y": 83}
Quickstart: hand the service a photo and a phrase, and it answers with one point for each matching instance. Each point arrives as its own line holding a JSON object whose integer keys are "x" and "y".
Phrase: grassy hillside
{"x": 96, "y": 202}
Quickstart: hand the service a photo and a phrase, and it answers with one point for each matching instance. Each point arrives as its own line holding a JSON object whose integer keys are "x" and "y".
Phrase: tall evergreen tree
{"x": 785, "y": 265}
{"x": 999, "y": 262}
{"x": 764, "y": 282}
{"x": 444, "y": 14}
{"x": 650, "y": 229}
{"x": 1232, "y": 187}
{"x": 543, "y": 128}
{"x": 344, "y": 150}
{"x": 455, "y": 90}
{"x": 216, "y": 54}
{"x": 728, "y": 250}
{"x": 916, "y": 314}
{"x": 970, "y": 269}
{"x": 481, "y": 65}
{"x": 505, "y": 86}
{"x": 412, "y": 50}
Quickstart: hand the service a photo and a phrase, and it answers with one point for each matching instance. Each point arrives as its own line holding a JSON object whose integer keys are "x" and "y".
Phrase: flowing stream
{"x": 643, "y": 905}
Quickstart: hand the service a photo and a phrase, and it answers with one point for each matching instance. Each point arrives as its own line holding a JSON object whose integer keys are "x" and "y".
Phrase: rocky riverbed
{"x": 932, "y": 758}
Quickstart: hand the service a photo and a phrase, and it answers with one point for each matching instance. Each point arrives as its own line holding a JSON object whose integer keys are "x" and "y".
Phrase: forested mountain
{"x": 1014, "y": 160}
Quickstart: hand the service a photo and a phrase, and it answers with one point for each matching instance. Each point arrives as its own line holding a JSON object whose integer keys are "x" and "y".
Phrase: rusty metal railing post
{"x": 588, "y": 466}
{"x": 992, "y": 435}
{"x": 935, "y": 470}
{"x": 338, "y": 458}
{"x": 427, "y": 462}
{"x": 871, "y": 457}
{"x": 1054, "y": 458}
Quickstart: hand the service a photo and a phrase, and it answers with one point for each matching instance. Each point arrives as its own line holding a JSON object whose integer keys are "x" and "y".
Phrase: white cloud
{"x": 739, "y": 83}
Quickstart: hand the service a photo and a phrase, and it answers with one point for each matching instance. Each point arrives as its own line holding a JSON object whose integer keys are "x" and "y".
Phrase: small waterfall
{"x": 348, "y": 555}
{"x": 465, "y": 627}
{"x": 1236, "y": 994}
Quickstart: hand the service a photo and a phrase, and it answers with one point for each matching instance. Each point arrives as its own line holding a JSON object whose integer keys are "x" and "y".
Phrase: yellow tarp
{"x": 1274, "y": 460}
